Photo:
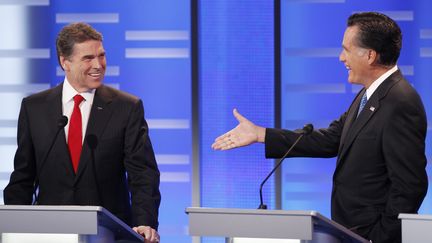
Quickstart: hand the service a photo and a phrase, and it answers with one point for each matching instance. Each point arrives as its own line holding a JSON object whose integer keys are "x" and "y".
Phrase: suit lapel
{"x": 352, "y": 113}
{"x": 54, "y": 112}
{"x": 99, "y": 116}
{"x": 368, "y": 111}
{"x": 354, "y": 127}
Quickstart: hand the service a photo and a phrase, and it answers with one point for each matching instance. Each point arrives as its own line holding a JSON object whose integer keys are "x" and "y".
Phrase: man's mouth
{"x": 95, "y": 75}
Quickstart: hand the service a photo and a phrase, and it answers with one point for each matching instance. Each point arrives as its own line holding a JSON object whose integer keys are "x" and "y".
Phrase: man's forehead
{"x": 350, "y": 35}
{"x": 89, "y": 44}
{"x": 88, "y": 47}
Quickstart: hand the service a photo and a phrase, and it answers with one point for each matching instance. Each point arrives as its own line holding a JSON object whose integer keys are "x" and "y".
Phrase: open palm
{"x": 243, "y": 134}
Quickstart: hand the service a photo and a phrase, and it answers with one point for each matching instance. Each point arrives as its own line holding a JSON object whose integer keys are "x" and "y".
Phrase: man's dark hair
{"x": 380, "y": 33}
{"x": 74, "y": 34}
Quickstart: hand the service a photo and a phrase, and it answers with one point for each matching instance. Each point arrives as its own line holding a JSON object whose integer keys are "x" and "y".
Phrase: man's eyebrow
{"x": 88, "y": 56}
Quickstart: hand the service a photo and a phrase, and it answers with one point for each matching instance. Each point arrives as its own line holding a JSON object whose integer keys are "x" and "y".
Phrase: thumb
{"x": 238, "y": 116}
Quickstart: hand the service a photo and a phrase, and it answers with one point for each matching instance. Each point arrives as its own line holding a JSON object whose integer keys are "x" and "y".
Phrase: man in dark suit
{"x": 102, "y": 156}
{"x": 379, "y": 141}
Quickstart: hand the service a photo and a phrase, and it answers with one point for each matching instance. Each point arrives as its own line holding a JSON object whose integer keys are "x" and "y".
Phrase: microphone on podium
{"x": 61, "y": 123}
{"x": 307, "y": 129}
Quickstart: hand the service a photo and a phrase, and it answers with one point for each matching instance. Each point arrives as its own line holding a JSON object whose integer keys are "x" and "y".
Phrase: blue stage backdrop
{"x": 148, "y": 55}
{"x": 236, "y": 70}
{"x": 314, "y": 82}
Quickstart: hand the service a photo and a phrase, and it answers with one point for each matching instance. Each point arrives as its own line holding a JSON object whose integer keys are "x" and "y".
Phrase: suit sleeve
{"x": 142, "y": 170}
{"x": 404, "y": 154}
{"x": 19, "y": 191}
{"x": 320, "y": 143}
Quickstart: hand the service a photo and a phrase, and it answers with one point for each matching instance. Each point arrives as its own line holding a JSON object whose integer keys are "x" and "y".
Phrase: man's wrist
{"x": 261, "y": 132}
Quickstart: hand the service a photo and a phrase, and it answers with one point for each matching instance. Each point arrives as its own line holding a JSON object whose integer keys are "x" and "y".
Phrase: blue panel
{"x": 422, "y": 79}
{"x": 161, "y": 81}
{"x": 315, "y": 87}
{"x": 236, "y": 66}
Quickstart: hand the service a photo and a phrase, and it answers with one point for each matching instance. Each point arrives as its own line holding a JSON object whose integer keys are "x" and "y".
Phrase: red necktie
{"x": 75, "y": 133}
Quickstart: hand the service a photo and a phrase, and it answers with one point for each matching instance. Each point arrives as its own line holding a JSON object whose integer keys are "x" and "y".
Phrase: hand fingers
{"x": 222, "y": 137}
{"x": 224, "y": 142}
{"x": 150, "y": 235}
{"x": 154, "y": 237}
{"x": 228, "y": 140}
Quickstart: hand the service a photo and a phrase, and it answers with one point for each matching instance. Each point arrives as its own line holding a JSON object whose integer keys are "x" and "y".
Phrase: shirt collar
{"x": 69, "y": 92}
{"x": 374, "y": 86}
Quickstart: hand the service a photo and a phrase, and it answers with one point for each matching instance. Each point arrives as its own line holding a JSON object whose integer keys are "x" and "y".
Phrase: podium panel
{"x": 90, "y": 223}
{"x": 308, "y": 226}
{"x": 416, "y": 228}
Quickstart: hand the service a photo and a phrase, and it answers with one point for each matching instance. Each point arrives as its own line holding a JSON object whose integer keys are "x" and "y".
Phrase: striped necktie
{"x": 362, "y": 103}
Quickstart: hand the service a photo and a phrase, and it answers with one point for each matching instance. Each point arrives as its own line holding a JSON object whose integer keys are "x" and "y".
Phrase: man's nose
{"x": 96, "y": 63}
{"x": 342, "y": 57}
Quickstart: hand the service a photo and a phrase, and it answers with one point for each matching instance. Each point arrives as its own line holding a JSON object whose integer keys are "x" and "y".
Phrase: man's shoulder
{"x": 404, "y": 89}
{"x": 402, "y": 95}
{"x": 116, "y": 95}
{"x": 396, "y": 86}
{"x": 43, "y": 95}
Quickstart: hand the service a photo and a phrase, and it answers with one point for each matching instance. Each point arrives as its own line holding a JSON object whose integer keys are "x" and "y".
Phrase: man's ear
{"x": 372, "y": 56}
{"x": 63, "y": 63}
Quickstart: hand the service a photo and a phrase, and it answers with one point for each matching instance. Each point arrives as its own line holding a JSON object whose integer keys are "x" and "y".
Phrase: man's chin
{"x": 353, "y": 81}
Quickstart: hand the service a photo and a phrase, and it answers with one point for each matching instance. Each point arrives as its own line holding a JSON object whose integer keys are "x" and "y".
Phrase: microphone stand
{"x": 307, "y": 129}
{"x": 61, "y": 123}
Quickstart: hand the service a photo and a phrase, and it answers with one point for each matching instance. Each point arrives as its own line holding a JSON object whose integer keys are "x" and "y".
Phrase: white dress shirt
{"x": 374, "y": 86}
{"x": 68, "y": 104}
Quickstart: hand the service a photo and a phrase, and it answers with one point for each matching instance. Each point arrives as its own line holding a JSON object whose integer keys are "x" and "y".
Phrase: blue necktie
{"x": 362, "y": 103}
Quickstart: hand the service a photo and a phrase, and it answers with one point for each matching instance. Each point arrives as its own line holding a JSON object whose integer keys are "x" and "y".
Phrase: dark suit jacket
{"x": 380, "y": 169}
{"x": 124, "y": 158}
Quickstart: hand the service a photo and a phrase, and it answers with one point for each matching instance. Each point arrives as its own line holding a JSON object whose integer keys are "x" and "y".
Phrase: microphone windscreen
{"x": 307, "y": 129}
{"x": 62, "y": 121}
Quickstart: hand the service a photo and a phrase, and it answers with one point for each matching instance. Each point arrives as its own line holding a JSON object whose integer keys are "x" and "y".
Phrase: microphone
{"x": 92, "y": 142}
{"x": 61, "y": 123}
{"x": 307, "y": 129}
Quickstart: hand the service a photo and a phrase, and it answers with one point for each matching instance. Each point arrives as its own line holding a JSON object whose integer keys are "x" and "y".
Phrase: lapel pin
{"x": 99, "y": 108}
{"x": 372, "y": 108}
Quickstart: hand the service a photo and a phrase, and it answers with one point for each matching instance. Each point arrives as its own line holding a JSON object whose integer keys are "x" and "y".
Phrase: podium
{"x": 416, "y": 228}
{"x": 307, "y": 226}
{"x": 91, "y": 224}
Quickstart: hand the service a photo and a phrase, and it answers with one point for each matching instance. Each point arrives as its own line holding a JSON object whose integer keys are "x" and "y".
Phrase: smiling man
{"x": 101, "y": 156}
{"x": 379, "y": 141}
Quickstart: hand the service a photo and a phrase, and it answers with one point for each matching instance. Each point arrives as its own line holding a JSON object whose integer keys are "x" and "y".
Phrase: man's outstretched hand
{"x": 243, "y": 134}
